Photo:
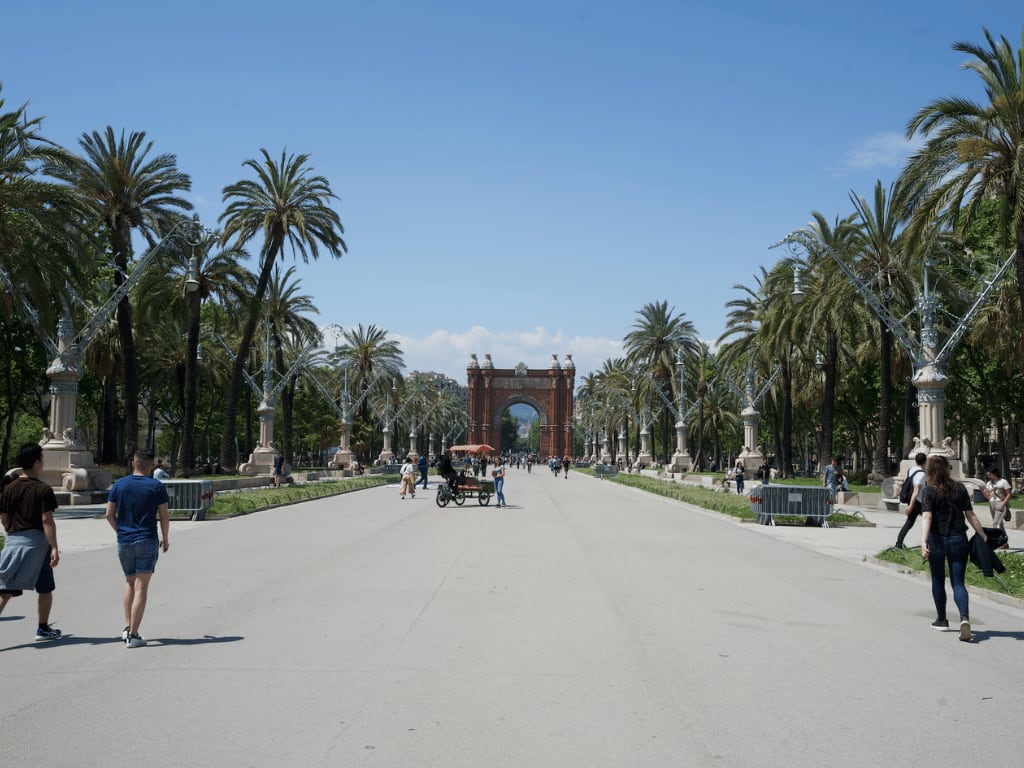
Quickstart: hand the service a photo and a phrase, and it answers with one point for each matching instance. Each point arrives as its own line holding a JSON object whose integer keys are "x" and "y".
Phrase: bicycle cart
{"x": 481, "y": 491}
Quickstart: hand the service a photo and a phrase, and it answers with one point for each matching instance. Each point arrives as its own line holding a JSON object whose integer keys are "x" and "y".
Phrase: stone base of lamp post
{"x": 647, "y": 459}
{"x": 681, "y": 462}
{"x": 342, "y": 460}
{"x": 261, "y": 462}
{"x": 70, "y": 469}
{"x": 751, "y": 460}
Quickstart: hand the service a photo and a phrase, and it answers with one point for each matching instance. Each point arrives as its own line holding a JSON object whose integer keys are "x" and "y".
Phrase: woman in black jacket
{"x": 946, "y": 510}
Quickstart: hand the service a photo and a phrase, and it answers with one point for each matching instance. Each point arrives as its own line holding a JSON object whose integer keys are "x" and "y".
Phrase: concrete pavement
{"x": 586, "y": 624}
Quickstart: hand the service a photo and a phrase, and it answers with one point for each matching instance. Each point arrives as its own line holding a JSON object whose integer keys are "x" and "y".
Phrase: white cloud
{"x": 883, "y": 150}
{"x": 448, "y": 352}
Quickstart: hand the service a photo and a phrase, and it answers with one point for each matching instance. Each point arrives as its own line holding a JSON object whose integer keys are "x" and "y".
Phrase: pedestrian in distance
{"x": 30, "y": 550}
{"x": 737, "y": 475}
{"x": 998, "y": 492}
{"x": 498, "y": 473}
{"x": 832, "y": 477}
{"x": 764, "y": 473}
{"x": 278, "y": 469}
{"x": 913, "y": 510}
{"x": 422, "y": 466}
{"x": 408, "y": 473}
{"x": 137, "y": 504}
{"x": 565, "y": 466}
{"x": 946, "y": 511}
{"x": 159, "y": 472}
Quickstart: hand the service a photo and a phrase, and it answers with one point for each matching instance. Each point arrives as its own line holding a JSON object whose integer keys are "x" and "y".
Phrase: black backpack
{"x": 907, "y": 489}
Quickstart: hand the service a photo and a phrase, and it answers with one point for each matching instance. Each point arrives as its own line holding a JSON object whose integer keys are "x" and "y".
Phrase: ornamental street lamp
{"x": 930, "y": 362}
{"x": 69, "y": 465}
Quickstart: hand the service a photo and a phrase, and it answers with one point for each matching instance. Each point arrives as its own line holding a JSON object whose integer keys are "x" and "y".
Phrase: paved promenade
{"x": 586, "y": 624}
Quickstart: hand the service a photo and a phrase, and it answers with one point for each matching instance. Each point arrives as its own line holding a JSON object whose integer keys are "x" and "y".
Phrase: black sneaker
{"x": 965, "y": 630}
{"x": 46, "y": 632}
{"x": 940, "y": 624}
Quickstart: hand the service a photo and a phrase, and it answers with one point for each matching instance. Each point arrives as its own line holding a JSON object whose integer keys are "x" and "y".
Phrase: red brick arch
{"x": 548, "y": 391}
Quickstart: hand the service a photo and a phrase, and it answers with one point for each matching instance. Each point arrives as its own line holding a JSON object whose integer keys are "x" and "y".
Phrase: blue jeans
{"x": 951, "y": 548}
{"x": 499, "y": 484}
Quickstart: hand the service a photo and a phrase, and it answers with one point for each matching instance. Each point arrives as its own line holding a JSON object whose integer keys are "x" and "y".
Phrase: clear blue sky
{"x": 518, "y": 178}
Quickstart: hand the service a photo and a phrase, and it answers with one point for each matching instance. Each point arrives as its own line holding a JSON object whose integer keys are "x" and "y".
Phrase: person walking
{"x": 565, "y": 466}
{"x": 278, "y": 469}
{"x": 422, "y": 466}
{"x": 946, "y": 510}
{"x": 136, "y": 504}
{"x": 160, "y": 473}
{"x": 997, "y": 490}
{"x": 498, "y": 473}
{"x": 737, "y": 475}
{"x": 408, "y": 473}
{"x": 764, "y": 473}
{"x": 913, "y": 510}
{"x": 832, "y": 477}
{"x": 30, "y": 550}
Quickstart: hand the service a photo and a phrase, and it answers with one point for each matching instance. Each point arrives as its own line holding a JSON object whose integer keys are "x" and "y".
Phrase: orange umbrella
{"x": 473, "y": 448}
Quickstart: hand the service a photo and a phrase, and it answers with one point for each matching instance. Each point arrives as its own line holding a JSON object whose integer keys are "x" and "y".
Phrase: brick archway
{"x": 549, "y": 392}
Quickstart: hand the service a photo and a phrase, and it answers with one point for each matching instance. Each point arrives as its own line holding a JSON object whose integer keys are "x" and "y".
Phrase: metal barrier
{"x": 605, "y": 470}
{"x": 770, "y": 501}
{"x": 192, "y": 496}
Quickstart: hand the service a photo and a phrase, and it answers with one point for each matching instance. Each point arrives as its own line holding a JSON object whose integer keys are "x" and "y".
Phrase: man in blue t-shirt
{"x": 136, "y": 502}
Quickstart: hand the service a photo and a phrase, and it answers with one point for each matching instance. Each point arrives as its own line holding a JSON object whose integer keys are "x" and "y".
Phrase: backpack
{"x": 907, "y": 489}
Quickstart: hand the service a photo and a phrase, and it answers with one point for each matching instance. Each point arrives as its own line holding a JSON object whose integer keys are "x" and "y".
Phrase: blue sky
{"x": 515, "y": 178}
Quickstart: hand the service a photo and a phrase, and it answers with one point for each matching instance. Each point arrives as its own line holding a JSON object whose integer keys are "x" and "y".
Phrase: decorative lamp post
{"x": 930, "y": 362}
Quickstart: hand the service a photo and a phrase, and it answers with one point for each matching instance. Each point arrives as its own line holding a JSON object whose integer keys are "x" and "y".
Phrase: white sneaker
{"x": 125, "y": 633}
{"x": 134, "y": 641}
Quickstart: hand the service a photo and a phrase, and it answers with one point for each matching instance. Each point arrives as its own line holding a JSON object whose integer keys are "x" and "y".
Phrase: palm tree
{"x": 293, "y": 332}
{"x": 973, "y": 149}
{"x": 287, "y": 206}
{"x": 823, "y": 320}
{"x": 37, "y": 218}
{"x": 658, "y": 335}
{"x": 879, "y": 244}
{"x": 125, "y": 190}
{"x": 367, "y": 358}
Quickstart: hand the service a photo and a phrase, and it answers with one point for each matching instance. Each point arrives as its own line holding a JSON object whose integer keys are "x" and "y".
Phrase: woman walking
{"x": 499, "y": 482}
{"x": 946, "y": 510}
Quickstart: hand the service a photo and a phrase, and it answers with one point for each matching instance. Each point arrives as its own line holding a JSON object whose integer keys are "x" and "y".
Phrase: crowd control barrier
{"x": 192, "y": 496}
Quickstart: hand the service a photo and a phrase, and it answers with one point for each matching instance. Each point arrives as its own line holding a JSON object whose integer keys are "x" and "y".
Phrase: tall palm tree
{"x": 973, "y": 150}
{"x": 37, "y": 221}
{"x": 293, "y": 332}
{"x": 879, "y": 246}
{"x": 658, "y": 335}
{"x": 126, "y": 190}
{"x": 824, "y": 319}
{"x": 220, "y": 277}
{"x": 288, "y": 206}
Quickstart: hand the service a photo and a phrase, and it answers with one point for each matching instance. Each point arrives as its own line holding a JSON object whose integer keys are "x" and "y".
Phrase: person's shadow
{"x": 981, "y": 635}
{"x": 155, "y": 642}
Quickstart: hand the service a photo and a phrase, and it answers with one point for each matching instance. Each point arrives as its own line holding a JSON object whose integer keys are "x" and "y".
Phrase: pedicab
{"x": 469, "y": 487}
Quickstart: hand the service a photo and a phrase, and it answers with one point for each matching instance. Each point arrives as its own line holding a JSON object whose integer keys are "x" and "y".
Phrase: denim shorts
{"x": 139, "y": 557}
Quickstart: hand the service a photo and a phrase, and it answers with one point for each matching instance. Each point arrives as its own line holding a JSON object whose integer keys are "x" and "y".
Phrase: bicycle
{"x": 445, "y": 495}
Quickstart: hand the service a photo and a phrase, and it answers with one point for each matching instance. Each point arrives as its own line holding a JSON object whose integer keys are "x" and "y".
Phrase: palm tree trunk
{"x": 828, "y": 403}
{"x": 186, "y": 452}
{"x": 787, "y": 415}
{"x": 130, "y": 372}
{"x": 228, "y": 455}
{"x": 109, "y": 423}
{"x": 880, "y": 459}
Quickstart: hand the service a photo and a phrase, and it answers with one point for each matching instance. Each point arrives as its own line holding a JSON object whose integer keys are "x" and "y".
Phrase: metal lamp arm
{"x": 256, "y": 387}
{"x": 965, "y": 322}
{"x": 101, "y": 316}
{"x": 30, "y": 311}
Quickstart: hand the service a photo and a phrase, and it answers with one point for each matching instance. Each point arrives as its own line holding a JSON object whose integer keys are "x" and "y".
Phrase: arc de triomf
{"x": 549, "y": 392}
